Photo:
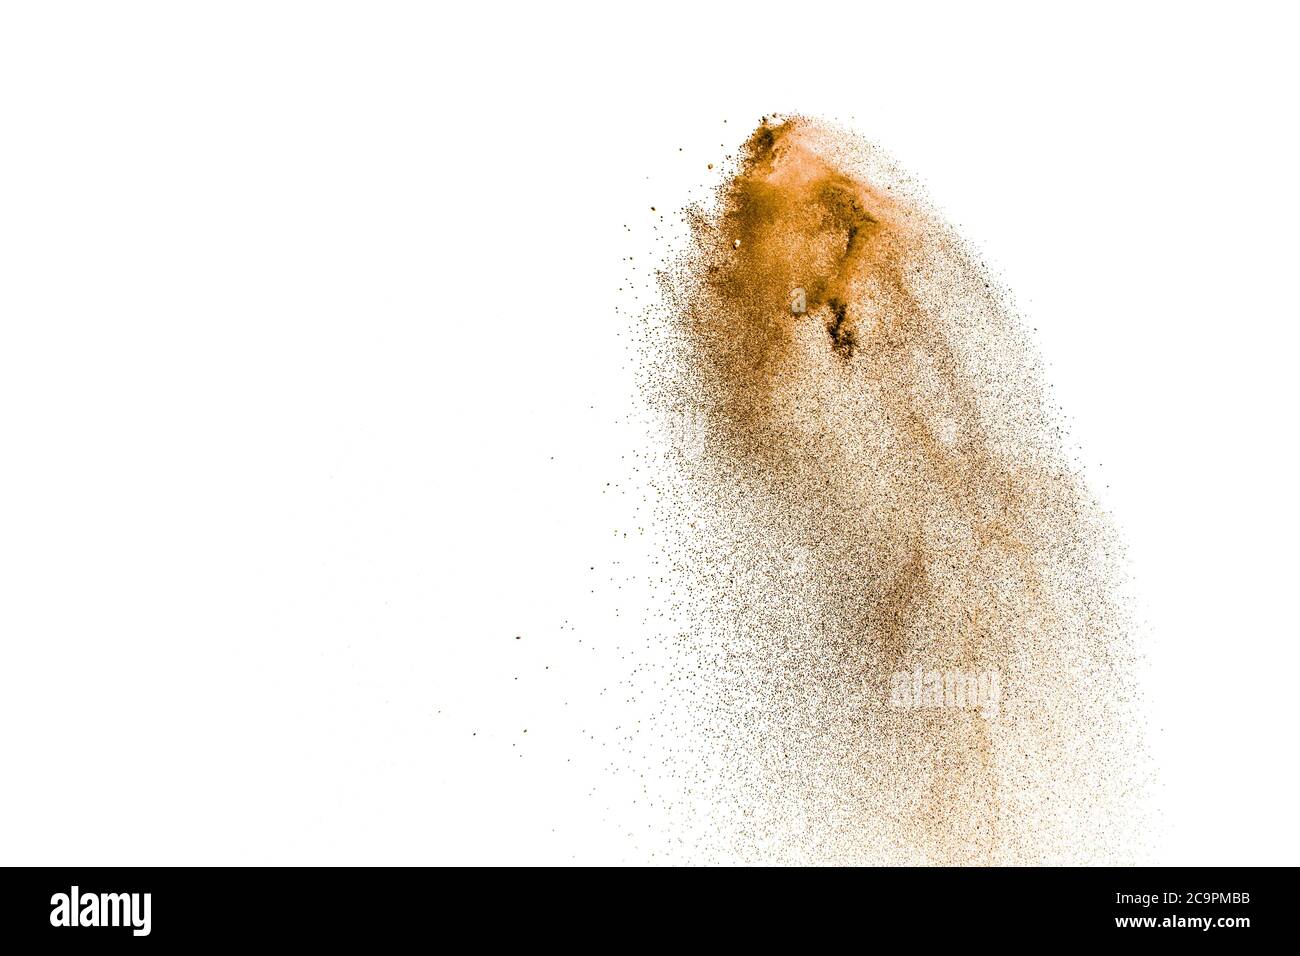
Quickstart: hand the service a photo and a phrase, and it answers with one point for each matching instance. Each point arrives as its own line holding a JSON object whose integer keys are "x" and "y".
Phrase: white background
{"x": 311, "y": 383}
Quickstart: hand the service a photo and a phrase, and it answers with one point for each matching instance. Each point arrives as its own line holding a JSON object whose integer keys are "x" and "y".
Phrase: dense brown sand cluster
{"x": 868, "y": 496}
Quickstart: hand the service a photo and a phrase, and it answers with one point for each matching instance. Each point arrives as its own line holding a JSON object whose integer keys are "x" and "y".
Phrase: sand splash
{"x": 870, "y": 501}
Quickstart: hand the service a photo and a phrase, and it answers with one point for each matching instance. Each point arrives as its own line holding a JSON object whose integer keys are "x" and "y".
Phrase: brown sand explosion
{"x": 901, "y": 636}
